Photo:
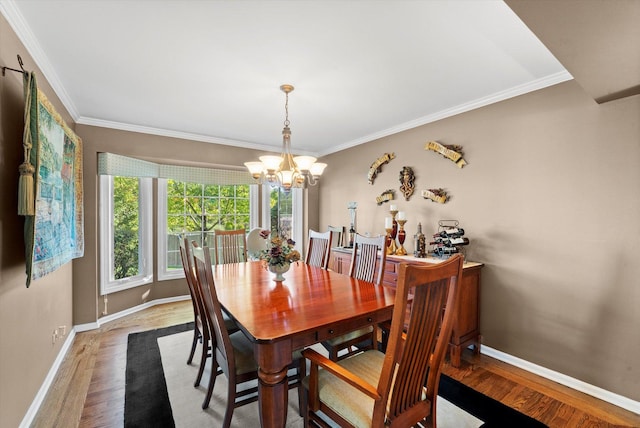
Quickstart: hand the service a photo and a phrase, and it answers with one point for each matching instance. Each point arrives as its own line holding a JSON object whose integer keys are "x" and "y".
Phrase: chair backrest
{"x": 230, "y": 246}
{"x": 190, "y": 276}
{"x": 364, "y": 261}
{"x": 224, "y": 353}
{"x": 338, "y": 233}
{"x": 417, "y": 356}
{"x": 319, "y": 249}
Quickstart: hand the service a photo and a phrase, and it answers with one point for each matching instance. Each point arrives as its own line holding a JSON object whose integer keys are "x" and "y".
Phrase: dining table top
{"x": 308, "y": 298}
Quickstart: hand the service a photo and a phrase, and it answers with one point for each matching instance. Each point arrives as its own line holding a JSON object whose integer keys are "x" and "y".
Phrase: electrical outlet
{"x": 62, "y": 330}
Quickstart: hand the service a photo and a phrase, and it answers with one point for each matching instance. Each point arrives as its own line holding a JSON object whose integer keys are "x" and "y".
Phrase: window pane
{"x": 175, "y": 188}
{"x": 212, "y": 190}
{"x": 281, "y": 213}
{"x": 126, "y": 240}
{"x": 125, "y": 233}
{"x": 193, "y": 189}
{"x": 228, "y": 191}
{"x": 211, "y": 207}
{"x": 198, "y": 209}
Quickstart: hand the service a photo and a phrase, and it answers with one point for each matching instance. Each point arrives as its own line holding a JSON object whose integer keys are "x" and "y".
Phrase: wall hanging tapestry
{"x": 53, "y": 229}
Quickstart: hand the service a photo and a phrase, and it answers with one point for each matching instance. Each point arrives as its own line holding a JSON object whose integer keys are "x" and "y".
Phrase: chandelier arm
{"x": 311, "y": 179}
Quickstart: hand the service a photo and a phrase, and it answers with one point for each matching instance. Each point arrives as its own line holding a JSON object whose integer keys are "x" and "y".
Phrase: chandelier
{"x": 286, "y": 171}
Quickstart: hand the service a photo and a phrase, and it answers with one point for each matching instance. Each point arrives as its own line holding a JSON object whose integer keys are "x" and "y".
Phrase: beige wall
{"x": 550, "y": 202}
{"x": 28, "y": 316}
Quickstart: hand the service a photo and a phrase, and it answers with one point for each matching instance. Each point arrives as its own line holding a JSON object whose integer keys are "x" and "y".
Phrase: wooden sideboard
{"x": 466, "y": 327}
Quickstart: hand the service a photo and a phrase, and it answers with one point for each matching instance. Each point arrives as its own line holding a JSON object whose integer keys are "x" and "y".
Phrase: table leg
{"x": 273, "y": 389}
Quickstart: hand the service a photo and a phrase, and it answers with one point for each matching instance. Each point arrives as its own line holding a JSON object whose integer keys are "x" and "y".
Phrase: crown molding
{"x": 182, "y": 135}
{"x": 535, "y": 85}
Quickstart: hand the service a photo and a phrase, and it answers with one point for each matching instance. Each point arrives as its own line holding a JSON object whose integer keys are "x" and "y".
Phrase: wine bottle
{"x": 455, "y": 231}
{"x": 445, "y": 251}
{"x": 450, "y": 242}
{"x": 459, "y": 241}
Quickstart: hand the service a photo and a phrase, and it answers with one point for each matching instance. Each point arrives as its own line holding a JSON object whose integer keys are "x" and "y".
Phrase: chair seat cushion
{"x": 351, "y": 404}
{"x": 349, "y": 336}
{"x": 243, "y": 352}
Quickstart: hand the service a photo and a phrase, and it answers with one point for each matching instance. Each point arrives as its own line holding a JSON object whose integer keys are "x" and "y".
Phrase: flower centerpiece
{"x": 279, "y": 255}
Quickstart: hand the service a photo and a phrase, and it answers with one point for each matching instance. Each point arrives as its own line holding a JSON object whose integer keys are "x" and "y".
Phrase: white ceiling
{"x": 211, "y": 70}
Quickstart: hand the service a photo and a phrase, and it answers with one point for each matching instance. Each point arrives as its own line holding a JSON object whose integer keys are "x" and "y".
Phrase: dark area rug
{"x": 147, "y": 401}
{"x": 494, "y": 413}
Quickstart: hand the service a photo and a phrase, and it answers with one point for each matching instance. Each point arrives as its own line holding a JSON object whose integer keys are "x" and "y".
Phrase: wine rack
{"x": 449, "y": 239}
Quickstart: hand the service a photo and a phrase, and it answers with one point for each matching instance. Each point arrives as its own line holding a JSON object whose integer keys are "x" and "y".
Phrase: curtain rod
{"x": 23, "y": 71}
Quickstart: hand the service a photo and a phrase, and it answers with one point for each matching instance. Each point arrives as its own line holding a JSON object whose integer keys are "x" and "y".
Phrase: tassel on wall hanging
{"x": 26, "y": 184}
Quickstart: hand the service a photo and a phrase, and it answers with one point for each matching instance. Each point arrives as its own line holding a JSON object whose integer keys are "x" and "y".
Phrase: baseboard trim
{"x": 115, "y": 316}
{"x": 573, "y": 383}
{"x": 42, "y": 392}
{"x": 111, "y": 317}
{"x": 48, "y": 380}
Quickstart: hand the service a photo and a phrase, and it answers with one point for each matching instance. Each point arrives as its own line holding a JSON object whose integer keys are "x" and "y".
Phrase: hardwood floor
{"x": 88, "y": 390}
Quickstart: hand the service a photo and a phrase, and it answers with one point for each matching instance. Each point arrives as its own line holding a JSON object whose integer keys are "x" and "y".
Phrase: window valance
{"x": 124, "y": 166}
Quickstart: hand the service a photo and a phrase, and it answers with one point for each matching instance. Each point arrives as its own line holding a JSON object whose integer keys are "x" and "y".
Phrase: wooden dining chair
{"x": 201, "y": 331}
{"x": 189, "y": 274}
{"x": 398, "y": 388}
{"x": 338, "y": 233}
{"x": 230, "y": 246}
{"x": 319, "y": 249}
{"x": 367, "y": 263}
{"x": 232, "y": 353}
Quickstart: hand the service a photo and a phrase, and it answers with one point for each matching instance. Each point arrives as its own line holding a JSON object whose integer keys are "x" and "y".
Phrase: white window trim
{"x": 254, "y": 202}
{"x": 265, "y": 224}
{"x": 163, "y": 273}
{"x": 297, "y": 213}
{"x": 107, "y": 285}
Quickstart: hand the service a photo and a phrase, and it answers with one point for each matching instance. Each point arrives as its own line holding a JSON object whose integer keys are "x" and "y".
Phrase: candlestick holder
{"x": 389, "y": 241}
{"x": 392, "y": 246}
{"x": 400, "y": 251}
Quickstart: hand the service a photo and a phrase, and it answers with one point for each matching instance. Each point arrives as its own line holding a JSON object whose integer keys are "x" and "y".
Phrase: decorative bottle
{"x": 419, "y": 243}
{"x": 352, "y": 235}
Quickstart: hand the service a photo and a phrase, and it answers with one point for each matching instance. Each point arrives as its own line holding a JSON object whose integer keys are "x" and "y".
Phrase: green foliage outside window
{"x": 125, "y": 227}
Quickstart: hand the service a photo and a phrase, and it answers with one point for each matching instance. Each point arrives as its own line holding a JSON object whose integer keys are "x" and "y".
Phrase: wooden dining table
{"x": 309, "y": 306}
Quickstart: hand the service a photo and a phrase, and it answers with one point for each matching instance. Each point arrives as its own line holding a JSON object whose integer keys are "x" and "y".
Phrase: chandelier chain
{"x": 286, "y": 110}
